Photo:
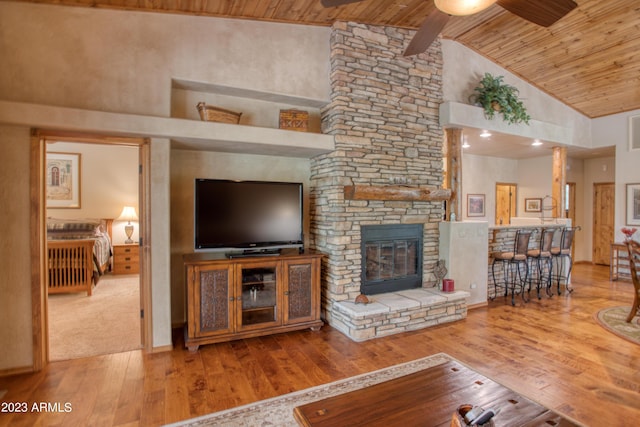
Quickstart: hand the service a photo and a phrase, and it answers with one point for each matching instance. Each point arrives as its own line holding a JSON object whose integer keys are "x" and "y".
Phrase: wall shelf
{"x": 248, "y": 93}
{"x": 259, "y": 108}
{"x": 184, "y": 134}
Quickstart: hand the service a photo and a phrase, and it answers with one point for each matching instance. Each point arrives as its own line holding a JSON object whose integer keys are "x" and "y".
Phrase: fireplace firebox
{"x": 391, "y": 258}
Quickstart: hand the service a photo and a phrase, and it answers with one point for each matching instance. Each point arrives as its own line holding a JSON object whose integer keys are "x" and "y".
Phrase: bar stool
{"x": 512, "y": 263}
{"x": 561, "y": 256}
{"x": 540, "y": 260}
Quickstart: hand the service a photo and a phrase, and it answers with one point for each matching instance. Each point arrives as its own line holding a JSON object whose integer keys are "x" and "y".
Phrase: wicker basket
{"x": 294, "y": 120}
{"x": 210, "y": 113}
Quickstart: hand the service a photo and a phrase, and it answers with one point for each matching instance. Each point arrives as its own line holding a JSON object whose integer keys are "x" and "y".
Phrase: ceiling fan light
{"x": 463, "y": 7}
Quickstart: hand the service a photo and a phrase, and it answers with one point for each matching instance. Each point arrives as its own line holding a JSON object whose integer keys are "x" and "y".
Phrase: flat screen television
{"x": 247, "y": 214}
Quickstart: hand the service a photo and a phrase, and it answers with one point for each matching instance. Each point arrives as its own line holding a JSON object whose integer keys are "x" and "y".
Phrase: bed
{"x": 79, "y": 253}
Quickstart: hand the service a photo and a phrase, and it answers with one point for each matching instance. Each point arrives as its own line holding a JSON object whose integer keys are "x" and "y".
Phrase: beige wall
{"x": 533, "y": 177}
{"x": 534, "y": 181}
{"x": 614, "y": 130}
{"x": 126, "y": 62}
{"x": 15, "y": 265}
{"x": 160, "y": 241}
{"x": 462, "y": 70}
{"x": 480, "y": 175}
{"x": 109, "y": 181}
{"x": 186, "y": 166}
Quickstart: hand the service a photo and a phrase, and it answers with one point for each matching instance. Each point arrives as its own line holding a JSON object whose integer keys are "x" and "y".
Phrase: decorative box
{"x": 294, "y": 120}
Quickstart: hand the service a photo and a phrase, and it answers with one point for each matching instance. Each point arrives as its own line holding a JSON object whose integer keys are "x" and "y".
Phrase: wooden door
{"x": 505, "y": 202}
{"x": 603, "y": 222}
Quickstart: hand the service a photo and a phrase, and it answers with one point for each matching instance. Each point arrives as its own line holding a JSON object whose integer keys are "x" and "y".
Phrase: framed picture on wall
{"x": 533, "y": 205}
{"x": 633, "y": 204}
{"x": 475, "y": 205}
{"x": 63, "y": 180}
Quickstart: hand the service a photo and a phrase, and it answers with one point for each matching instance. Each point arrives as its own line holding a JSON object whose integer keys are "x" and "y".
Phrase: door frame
{"x": 38, "y": 246}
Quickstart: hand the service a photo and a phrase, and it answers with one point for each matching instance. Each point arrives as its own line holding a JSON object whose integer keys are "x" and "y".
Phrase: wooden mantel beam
{"x": 395, "y": 192}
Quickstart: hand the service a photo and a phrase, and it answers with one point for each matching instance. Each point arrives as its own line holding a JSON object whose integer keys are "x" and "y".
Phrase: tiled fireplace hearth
{"x": 386, "y": 170}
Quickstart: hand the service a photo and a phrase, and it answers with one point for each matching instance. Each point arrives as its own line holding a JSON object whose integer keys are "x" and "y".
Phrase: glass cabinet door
{"x": 258, "y": 295}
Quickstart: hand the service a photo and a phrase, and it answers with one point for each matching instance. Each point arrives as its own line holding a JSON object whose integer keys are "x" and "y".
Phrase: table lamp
{"x": 128, "y": 214}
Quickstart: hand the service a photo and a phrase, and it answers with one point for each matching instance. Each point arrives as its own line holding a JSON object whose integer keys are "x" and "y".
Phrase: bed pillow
{"x": 72, "y": 228}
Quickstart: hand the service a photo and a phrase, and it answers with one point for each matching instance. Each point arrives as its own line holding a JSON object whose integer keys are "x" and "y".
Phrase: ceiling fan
{"x": 541, "y": 12}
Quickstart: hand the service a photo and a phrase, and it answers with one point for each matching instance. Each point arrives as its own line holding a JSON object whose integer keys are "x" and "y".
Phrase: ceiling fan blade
{"x": 427, "y": 32}
{"x": 541, "y": 12}
{"x": 334, "y": 3}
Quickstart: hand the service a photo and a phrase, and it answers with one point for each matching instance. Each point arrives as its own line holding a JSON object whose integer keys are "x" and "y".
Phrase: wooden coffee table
{"x": 427, "y": 398}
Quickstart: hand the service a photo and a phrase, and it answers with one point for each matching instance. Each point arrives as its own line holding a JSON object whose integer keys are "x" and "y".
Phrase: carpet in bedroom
{"x": 106, "y": 322}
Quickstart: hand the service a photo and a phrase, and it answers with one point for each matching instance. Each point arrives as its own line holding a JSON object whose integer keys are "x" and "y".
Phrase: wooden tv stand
{"x": 235, "y": 298}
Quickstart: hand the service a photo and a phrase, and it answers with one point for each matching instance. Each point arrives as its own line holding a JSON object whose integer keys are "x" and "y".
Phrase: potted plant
{"x": 496, "y": 96}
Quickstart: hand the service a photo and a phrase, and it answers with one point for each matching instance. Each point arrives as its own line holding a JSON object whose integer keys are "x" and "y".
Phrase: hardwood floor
{"x": 550, "y": 350}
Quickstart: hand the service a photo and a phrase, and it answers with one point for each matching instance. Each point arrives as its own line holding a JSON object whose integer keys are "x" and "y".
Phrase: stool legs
{"x": 513, "y": 278}
{"x": 522, "y": 281}
{"x": 544, "y": 267}
{"x": 495, "y": 282}
{"x": 549, "y": 262}
{"x": 561, "y": 275}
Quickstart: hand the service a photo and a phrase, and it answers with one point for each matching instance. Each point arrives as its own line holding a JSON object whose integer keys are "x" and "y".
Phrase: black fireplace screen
{"x": 392, "y": 258}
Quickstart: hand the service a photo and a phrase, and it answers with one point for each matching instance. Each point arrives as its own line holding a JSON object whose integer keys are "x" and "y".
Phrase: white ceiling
{"x": 519, "y": 147}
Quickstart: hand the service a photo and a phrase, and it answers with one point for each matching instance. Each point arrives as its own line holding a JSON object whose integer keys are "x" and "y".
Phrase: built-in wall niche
{"x": 258, "y": 108}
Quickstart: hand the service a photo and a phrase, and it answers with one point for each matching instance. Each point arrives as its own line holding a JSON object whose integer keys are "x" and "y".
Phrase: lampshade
{"x": 463, "y": 7}
{"x": 128, "y": 214}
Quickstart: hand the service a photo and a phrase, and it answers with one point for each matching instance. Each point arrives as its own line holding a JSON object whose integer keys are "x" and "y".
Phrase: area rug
{"x": 278, "y": 411}
{"x": 613, "y": 319}
{"x": 106, "y": 322}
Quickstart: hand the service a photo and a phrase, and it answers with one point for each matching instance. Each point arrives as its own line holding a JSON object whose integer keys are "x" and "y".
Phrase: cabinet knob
{"x": 286, "y": 292}
{"x": 231, "y": 299}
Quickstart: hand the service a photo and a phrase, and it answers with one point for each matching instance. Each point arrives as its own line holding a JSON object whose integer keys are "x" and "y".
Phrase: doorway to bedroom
{"x": 92, "y": 194}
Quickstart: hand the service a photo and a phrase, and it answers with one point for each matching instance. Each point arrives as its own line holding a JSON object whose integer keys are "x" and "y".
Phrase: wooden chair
{"x": 634, "y": 266}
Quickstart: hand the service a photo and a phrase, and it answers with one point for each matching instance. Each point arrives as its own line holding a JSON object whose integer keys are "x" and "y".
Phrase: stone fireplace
{"x": 384, "y": 115}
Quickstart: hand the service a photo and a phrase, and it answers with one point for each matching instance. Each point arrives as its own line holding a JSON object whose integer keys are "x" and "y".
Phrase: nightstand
{"x": 126, "y": 259}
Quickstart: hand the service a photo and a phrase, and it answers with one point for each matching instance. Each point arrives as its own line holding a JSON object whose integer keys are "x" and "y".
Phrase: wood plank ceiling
{"x": 590, "y": 59}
